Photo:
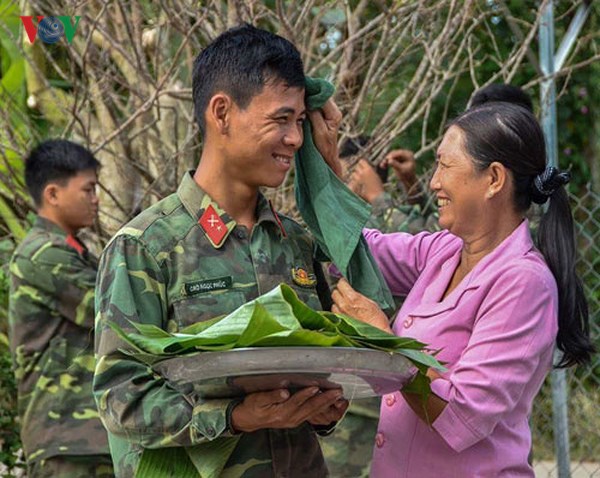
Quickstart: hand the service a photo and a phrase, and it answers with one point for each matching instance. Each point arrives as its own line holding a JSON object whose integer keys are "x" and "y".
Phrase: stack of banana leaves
{"x": 275, "y": 319}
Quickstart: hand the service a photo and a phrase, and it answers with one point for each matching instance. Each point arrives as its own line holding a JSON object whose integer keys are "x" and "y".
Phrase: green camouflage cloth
{"x": 72, "y": 467}
{"x": 51, "y": 321}
{"x": 164, "y": 269}
{"x": 348, "y": 450}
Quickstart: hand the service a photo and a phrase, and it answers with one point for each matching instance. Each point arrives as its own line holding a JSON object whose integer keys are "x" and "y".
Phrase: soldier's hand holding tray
{"x": 280, "y": 409}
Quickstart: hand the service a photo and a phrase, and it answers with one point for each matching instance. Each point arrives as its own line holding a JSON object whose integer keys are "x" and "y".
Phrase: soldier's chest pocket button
{"x": 204, "y": 306}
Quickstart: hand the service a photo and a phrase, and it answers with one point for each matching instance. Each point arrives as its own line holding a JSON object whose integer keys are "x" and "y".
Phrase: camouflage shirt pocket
{"x": 201, "y": 307}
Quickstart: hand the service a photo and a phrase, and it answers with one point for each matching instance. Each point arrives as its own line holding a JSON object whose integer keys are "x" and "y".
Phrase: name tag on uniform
{"x": 208, "y": 285}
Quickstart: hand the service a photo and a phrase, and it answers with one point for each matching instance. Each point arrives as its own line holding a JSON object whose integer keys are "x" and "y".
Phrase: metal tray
{"x": 361, "y": 373}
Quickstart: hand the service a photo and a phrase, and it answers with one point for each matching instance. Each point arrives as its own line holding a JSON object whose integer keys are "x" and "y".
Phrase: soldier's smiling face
{"x": 263, "y": 137}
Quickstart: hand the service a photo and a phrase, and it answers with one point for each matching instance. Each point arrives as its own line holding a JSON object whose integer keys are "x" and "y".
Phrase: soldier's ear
{"x": 50, "y": 194}
{"x": 219, "y": 112}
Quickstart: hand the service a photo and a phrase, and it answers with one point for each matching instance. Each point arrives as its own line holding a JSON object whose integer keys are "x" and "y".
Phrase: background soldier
{"x": 51, "y": 318}
{"x": 248, "y": 89}
{"x": 349, "y": 449}
{"x": 369, "y": 183}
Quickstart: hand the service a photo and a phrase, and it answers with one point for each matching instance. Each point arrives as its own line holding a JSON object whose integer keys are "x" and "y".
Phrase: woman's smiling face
{"x": 459, "y": 187}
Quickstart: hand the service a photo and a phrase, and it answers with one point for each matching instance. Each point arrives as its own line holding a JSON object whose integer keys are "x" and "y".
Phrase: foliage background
{"x": 402, "y": 69}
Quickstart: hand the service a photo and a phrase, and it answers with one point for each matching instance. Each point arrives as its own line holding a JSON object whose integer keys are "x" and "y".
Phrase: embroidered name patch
{"x": 197, "y": 287}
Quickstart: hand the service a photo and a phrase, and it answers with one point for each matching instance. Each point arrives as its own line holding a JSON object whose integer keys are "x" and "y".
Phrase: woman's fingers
{"x": 325, "y": 125}
{"x": 348, "y": 301}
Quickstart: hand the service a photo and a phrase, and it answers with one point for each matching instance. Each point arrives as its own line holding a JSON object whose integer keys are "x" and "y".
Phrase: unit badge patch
{"x": 302, "y": 278}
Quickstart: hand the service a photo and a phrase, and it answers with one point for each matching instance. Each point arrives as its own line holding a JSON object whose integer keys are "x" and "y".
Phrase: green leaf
{"x": 280, "y": 304}
{"x": 161, "y": 462}
{"x": 299, "y": 338}
{"x": 261, "y": 324}
{"x": 420, "y": 385}
{"x": 308, "y": 318}
{"x": 200, "y": 326}
{"x": 419, "y": 357}
{"x": 277, "y": 319}
{"x": 150, "y": 330}
{"x": 210, "y": 457}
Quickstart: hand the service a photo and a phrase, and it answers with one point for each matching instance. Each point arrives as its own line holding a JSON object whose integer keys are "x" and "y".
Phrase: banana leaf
{"x": 276, "y": 319}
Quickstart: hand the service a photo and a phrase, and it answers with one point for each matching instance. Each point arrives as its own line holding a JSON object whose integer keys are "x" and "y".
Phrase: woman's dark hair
{"x": 510, "y": 134}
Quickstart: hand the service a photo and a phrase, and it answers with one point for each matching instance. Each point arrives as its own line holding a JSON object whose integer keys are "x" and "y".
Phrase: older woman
{"x": 482, "y": 295}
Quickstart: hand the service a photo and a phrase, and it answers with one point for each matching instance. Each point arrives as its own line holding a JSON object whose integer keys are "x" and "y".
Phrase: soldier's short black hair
{"x": 55, "y": 160}
{"x": 239, "y": 62}
{"x": 502, "y": 92}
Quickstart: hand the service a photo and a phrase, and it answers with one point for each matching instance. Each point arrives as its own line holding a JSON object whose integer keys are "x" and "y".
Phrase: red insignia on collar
{"x": 75, "y": 244}
{"x": 213, "y": 225}
{"x": 277, "y": 219}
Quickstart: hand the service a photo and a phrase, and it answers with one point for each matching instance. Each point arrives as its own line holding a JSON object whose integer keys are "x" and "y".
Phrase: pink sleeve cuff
{"x": 452, "y": 428}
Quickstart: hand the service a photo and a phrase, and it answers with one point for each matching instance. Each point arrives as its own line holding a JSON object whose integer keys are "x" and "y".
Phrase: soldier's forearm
{"x": 137, "y": 405}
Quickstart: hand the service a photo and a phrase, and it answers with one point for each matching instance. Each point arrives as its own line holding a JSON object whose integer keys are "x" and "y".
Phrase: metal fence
{"x": 581, "y": 450}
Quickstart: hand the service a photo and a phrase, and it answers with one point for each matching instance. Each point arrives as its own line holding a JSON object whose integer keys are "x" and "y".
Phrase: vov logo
{"x": 50, "y": 29}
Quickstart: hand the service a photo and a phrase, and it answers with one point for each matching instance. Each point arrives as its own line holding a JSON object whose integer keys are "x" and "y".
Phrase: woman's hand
{"x": 325, "y": 125}
{"x": 347, "y": 301}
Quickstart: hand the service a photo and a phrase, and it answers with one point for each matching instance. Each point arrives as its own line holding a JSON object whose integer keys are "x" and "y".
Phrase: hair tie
{"x": 547, "y": 182}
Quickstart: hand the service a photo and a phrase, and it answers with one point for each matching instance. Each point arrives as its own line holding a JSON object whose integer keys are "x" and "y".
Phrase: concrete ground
{"x": 547, "y": 469}
{"x": 543, "y": 469}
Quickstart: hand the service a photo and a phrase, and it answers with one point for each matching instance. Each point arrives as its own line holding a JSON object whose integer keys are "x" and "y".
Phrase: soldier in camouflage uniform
{"x": 204, "y": 251}
{"x": 386, "y": 214}
{"x": 349, "y": 448}
{"x": 51, "y": 319}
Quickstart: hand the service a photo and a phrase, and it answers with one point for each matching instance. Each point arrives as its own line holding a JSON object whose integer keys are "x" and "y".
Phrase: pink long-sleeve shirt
{"x": 495, "y": 331}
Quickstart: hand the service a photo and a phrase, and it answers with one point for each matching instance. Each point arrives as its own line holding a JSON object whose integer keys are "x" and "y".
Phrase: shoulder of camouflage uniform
{"x": 160, "y": 226}
{"x": 39, "y": 244}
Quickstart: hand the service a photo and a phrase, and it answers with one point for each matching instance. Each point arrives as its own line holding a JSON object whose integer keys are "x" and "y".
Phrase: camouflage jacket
{"x": 387, "y": 216}
{"x": 181, "y": 261}
{"x": 51, "y": 321}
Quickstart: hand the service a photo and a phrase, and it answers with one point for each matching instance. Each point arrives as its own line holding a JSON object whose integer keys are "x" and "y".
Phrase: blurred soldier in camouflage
{"x": 348, "y": 450}
{"x": 204, "y": 251}
{"x": 51, "y": 317}
{"x": 368, "y": 181}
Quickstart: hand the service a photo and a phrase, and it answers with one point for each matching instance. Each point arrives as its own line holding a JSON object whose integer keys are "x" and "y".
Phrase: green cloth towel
{"x": 333, "y": 213}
